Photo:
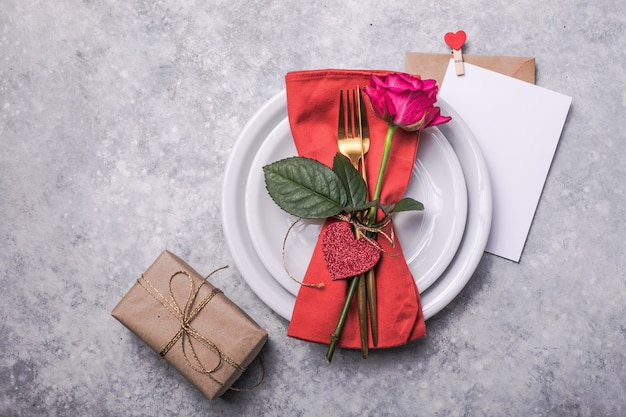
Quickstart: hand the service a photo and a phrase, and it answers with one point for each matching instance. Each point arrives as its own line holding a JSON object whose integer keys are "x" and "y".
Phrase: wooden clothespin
{"x": 456, "y": 41}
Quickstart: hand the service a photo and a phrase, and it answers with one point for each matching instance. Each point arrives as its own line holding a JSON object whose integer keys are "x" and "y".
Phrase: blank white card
{"x": 518, "y": 126}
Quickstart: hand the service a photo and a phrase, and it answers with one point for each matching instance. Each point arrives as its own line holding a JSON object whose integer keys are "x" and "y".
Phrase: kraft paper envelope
{"x": 433, "y": 66}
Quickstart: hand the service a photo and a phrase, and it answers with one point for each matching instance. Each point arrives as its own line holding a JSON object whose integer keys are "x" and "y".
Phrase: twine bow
{"x": 366, "y": 231}
{"x": 185, "y": 315}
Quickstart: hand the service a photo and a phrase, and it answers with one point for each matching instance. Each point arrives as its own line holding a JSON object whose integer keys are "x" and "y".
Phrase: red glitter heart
{"x": 346, "y": 256}
{"x": 455, "y": 40}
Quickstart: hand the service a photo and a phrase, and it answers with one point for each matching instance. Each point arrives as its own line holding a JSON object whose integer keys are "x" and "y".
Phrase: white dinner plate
{"x": 275, "y": 295}
{"x": 429, "y": 238}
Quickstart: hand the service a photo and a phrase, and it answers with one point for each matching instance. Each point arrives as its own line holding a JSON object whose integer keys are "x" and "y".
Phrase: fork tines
{"x": 352, "y": 109}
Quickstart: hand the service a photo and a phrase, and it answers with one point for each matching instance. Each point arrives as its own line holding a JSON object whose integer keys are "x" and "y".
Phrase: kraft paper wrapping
{"x": 210, "y": 339}
{"x": 433, "y": 66}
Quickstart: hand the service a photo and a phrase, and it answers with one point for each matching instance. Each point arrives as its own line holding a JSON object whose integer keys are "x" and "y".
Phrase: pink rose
{"x": 405, "y": 101}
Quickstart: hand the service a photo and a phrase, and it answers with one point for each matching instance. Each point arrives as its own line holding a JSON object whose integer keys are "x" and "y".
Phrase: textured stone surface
{"x": 116, "y": 121}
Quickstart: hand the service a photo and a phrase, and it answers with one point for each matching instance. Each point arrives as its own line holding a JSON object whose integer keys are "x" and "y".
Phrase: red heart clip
{"x": 455, "y": 40}
{"x": 346, "y": 256}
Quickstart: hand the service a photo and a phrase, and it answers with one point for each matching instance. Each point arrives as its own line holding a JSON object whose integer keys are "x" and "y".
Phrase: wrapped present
{"x": 191, "y": 324}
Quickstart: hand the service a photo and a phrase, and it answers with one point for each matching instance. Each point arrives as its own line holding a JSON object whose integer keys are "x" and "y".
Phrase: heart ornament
{"x": 455, "y": 40}
{"x": 346, "y": 256}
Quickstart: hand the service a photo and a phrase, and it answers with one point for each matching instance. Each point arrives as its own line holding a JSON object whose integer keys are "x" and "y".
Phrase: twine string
{"x": 282, "y": 253}
{"x": 365, "y": 229}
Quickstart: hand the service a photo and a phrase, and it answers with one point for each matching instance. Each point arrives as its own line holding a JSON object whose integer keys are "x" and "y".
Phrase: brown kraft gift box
{"x": 192, "y": 324}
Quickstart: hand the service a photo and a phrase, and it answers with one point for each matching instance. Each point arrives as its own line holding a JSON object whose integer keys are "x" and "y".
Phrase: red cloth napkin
{"x": 313, "y": 106}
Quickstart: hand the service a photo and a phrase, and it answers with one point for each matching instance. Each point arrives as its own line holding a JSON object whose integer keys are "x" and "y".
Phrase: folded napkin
{"x": 312, "y": 106}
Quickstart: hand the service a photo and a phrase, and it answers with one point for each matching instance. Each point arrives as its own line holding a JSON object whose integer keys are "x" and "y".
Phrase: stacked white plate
{"x": 442, "y": 244}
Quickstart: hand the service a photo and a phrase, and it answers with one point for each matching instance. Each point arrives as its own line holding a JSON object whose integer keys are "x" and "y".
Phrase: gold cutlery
{"x": 354, "y": 142}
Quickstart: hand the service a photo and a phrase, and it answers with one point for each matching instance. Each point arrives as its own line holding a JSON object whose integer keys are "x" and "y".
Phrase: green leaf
{"x": 407, "y": 204}
{"x": 352, "y": 181}
{"x": 305, "y": 188}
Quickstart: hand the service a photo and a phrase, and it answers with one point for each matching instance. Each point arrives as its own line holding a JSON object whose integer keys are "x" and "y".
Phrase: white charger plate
{"x": 275, "y": 295}
{"x": 429, "y": 238}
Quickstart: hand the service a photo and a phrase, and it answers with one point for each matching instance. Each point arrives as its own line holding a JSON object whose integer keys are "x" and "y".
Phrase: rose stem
{"x": 334, "y": 337}
{"x": 391, "y": 129}
{"x": 371, "y": 277}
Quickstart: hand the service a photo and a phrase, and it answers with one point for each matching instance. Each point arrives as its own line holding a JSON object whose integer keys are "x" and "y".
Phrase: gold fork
{"x": 354, "y": 143}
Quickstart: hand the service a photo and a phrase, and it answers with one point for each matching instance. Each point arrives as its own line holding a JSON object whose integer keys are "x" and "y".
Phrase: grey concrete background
{"x": 116, "y": 121}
